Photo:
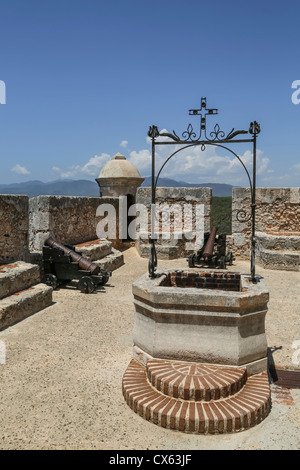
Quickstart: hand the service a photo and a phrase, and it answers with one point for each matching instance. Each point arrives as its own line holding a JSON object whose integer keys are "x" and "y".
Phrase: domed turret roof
{"x": 119, "y": 167}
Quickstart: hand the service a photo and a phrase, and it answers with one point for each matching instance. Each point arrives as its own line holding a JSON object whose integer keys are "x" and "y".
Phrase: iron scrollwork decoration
{"x": 218, "y": 138}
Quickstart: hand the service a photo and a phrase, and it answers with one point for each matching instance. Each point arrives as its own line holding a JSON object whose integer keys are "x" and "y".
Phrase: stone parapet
{"x": 13, "y": 228}
{"x": 177, "y": 228}
{"x": 277, "y": 210}
{"x": 69, "y": 219}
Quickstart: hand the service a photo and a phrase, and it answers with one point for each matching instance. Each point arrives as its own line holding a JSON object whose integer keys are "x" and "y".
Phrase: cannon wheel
{"x": 105, "y": 278}
{"x": 191, "y": 260}
{"x": 230, "y": 258}
{"x": 221, "y": 263}
{"x": 86, "y": 285}
{"x": 51, "y": 280}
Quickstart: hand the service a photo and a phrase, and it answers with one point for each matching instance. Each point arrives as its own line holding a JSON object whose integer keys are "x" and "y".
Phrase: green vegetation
{"x": 221, "y": 214}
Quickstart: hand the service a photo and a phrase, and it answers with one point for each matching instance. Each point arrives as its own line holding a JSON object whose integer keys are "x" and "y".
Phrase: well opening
{"x": 202, "y": 280}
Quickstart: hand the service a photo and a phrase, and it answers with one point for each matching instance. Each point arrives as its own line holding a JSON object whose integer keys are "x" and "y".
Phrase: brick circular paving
{"x": 246, "y": 408}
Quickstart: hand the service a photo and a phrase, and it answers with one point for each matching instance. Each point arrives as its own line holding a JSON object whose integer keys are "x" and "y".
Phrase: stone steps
{"x": 276, "y": 241}
{"x": 17, "y": 276}
{"x": 102, "y": 253}
{"x": 95, "y": 249}
{"x": 196, "y": 398}
{"x": 162, "y": 252}
{"x": 285, "y": 260}
{"x": 21, "y": 292}
{"x": 280, "y": 250}
{"x": 112, "y": 261}
{"x": 22, "y": 304}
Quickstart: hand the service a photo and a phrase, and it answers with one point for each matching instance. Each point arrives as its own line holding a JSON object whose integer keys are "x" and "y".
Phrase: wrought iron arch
{"x": 217, "y": 138}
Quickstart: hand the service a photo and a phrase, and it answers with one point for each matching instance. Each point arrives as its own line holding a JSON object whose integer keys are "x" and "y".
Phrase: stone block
{"x": 13, "y": 228}
{"x": 95, "y": 249}
{"x": 17, "y": 276}
{"x": 22, "y": 304}
{"x": 69, "y": 219}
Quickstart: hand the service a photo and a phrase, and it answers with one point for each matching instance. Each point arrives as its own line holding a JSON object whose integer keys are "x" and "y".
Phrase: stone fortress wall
{"x": 277, "y": 227}
{"x": 24, "y": 227}
{"x": 177, "y": 208}
{"x": 14, "y": 228}
{"x": 26, "y": 223}
{"x": 70, "y": 220}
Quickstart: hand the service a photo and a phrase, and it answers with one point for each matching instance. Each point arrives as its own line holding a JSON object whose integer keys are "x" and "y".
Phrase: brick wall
{"x": 204, "y": 280}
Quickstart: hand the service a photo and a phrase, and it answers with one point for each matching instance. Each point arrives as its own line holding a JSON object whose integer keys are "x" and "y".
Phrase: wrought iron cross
{"x": 200, "y": 112}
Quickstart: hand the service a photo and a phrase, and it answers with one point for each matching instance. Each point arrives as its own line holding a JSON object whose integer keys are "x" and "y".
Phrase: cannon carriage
{"x": 63, "y": 264}
{"x": 213, "y": 252}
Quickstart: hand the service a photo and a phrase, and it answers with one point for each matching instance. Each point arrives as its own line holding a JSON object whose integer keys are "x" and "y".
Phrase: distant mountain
{"x": 218, "y": 189}
{"x": 91, "y": 188}
{"x": 53, "y": 188}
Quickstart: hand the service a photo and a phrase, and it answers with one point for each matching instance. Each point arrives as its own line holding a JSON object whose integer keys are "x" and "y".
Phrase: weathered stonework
{"x": 277, "y": 210}
{"x": 279, "y": 250}
{"x": 22, "y": 304}
{"x": 119, "y": 177}
{"x": 182, "y": 225}
{"x": 17, "y": 276}
{"x": 13, "y": 228}
{"x": 69, "y": 219}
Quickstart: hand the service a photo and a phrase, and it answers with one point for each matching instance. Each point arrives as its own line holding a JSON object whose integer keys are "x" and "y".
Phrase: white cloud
{"x": 56, "y": 169}
{"x": 92, "y": 167}
{"x": 21, "y": 170}
{"x": 296, "y": 169}
{"x": 280, "y": 180}
{"x": 191, "y": 164}
{"x": 73, "y": 171}
{"x": 196, "y": 166}
{"x": 124, "y": 143}
{"x": 95, "y": 164}
{"x": 141, "y": 159}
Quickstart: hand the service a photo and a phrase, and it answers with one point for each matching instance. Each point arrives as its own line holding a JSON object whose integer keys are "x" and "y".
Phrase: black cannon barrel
{"x": 82, "y": 262}
{"x": 209, "y": 247}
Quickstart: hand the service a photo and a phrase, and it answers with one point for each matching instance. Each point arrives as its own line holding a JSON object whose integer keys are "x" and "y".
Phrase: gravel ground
{"x": 60, "y": 386}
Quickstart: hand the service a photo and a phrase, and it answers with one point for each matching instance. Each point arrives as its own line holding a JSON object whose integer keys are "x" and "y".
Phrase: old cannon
{"x": 62, "y": 264}
{"x": 213, "y": 252}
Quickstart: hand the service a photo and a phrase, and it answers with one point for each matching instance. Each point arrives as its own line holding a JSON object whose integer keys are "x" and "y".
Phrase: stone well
{"x": 204, "y": 317}
{"x": 199, "y": 357}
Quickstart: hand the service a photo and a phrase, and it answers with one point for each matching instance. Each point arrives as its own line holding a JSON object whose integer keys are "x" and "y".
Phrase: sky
{"x": 81, "y": 80}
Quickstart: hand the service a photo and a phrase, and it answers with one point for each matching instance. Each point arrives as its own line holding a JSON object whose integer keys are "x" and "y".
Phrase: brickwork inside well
{"x": 204, "y": 280}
